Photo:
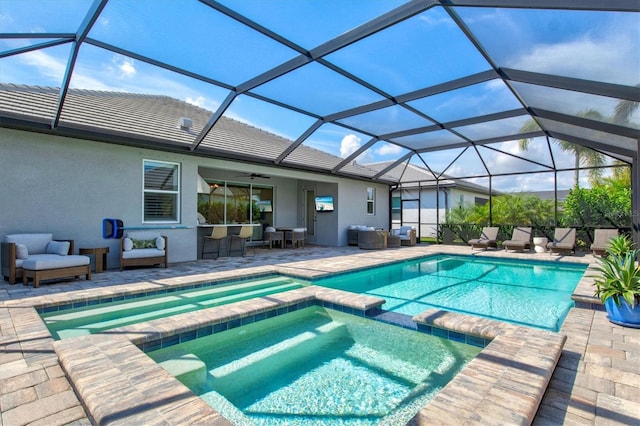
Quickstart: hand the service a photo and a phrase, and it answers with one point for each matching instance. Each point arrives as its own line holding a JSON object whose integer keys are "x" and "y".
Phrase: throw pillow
{"x": 127, "y": 244}
{"x": 160, "y": 243}
{"x": 58, "y": 247}
{"x": 143, "y": 244}
{"x": 21, "y": 251}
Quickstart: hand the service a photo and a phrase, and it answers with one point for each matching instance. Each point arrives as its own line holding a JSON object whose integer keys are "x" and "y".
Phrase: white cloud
{"x": 350, "y": 144}
{"x": 199, "y": 101}
{"x": 46, "y": 65}
{"x": 389, "y": 149}
{"x": 126, "y": 67}
{"x": 617, "y": 51}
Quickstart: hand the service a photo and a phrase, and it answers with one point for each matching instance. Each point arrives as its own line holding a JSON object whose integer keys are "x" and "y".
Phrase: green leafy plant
{"x": 619, "y": 273}
{"x": 620, "y": 245}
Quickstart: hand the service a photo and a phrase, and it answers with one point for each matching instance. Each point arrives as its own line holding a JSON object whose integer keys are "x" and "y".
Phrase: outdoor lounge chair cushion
{"x": 35, "y": 243}
{"x": 142, "y": 253}
{"x": 520, "y": 239}
{"x": 564, "y": 239}
{"x": 22, "y": 252}
{"x": 601, "y": 240}
{"x": 40, "y": 262}
{"x": 61, "y": 248}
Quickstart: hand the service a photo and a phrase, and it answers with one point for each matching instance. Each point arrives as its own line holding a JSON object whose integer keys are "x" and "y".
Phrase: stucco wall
{"x": 352, "y": 207}
{"x": 67, "y": 186}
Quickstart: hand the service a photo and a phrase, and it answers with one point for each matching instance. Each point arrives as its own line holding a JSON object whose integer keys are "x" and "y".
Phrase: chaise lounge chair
{"x": 487, "y": 239}
{"x": 564, "y": 241}
{"x": 601, "y": 241}
{"x": 37, "y": 256}
{"x": 520, "y": 239}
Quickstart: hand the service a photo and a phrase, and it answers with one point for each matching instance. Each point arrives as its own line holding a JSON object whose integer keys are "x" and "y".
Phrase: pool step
{"x": 186, "y": 367}
{"x": 270, "y": 363}
{"x": 133, "y": 311}
{"x": 168, "y": 298}
{"x": 187, "y": 305}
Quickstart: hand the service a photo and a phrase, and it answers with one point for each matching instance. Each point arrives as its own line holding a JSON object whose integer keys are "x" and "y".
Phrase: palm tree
{"x": 623, "y": 111}
{"x": 583, "y": 156}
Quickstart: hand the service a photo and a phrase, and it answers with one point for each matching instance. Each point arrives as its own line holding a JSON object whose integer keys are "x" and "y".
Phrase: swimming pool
{"x": 316, "y": 366}
{"x": 92, "y": 317}
{"x": 532, "y": 293}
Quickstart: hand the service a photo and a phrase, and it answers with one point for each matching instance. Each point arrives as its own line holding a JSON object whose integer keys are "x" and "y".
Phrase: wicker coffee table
{"x": 393, "y": 241}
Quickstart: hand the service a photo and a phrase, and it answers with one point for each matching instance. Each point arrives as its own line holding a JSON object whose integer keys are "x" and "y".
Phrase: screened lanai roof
{"x": 339, "y": 87}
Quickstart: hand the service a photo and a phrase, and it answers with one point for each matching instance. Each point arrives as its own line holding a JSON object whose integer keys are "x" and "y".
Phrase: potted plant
{"x": 618, "y": 282}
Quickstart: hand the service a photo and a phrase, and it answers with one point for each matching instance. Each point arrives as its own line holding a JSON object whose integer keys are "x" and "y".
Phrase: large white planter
{"x": 540, "y": 244}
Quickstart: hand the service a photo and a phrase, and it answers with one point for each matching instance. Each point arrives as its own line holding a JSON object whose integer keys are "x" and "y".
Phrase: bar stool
{"x": 218, "y": 234}
{"x": 245, "y": 233}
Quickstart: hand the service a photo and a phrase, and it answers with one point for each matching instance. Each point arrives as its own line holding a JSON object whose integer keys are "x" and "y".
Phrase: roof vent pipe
{"x": 186, "y": 123}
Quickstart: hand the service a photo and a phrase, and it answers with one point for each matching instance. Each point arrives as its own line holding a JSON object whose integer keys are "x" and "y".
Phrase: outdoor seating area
{"x": 143, "y": 248}
{"x": 38, "y": 257}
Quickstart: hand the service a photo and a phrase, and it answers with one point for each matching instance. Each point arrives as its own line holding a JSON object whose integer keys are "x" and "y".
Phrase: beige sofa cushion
{"x": 39, "y": 262}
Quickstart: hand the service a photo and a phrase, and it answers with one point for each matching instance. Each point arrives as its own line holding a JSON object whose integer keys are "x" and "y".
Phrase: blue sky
{"x": 424, "y": 50}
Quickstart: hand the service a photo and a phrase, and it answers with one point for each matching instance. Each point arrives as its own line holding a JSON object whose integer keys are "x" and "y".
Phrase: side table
{"x": 100, "y": 253}
{"x": 540, "y": 244}
{"x": 393, "y": 241}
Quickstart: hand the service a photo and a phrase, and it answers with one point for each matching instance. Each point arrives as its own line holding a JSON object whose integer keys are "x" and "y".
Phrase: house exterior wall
{"x": 352, "y": 208}
{"x": 68, "y": 186}
{"x": 450, "y": 198}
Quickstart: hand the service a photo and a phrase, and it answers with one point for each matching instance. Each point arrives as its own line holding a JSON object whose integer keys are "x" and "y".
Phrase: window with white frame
{"x": 371, "y": 201}
{"x": 161, "y": 188}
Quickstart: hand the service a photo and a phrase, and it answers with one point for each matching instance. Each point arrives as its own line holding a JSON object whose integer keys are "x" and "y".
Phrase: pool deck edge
{"x": 504, "y": 384}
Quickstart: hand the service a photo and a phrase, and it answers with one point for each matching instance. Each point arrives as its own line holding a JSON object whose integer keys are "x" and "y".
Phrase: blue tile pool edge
{"x": 375, "y": 314}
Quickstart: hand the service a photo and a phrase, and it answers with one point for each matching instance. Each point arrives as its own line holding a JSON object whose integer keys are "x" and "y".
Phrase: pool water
{"x": 93, "y": 319}
{"x": 316, "y": 366}
{"x": 531, "y": 293}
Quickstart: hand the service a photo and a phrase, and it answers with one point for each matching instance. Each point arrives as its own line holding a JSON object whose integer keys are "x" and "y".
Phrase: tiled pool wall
{"x": 375, "y": 314}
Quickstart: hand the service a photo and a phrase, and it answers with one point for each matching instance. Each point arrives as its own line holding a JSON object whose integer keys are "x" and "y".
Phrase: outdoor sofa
{"x": 143, "y": 248}
{"x": 372, "y": 239}
{"x": 407, "y": 235}
{"x": 38, "y": 256}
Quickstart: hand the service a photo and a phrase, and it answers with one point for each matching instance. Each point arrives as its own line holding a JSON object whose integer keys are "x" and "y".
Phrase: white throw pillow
{"x": 58, "y": 247}
{"x": 21, "y": 251}
{"x": 160, "y": 243}
{"x": 127, "y": 244}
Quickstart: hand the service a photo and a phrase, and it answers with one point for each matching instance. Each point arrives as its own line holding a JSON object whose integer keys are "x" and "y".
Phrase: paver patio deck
{"x": 596, "y": 381}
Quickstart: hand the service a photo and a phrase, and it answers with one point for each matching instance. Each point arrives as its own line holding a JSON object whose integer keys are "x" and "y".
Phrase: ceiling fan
{"x": 255, "y": 175}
